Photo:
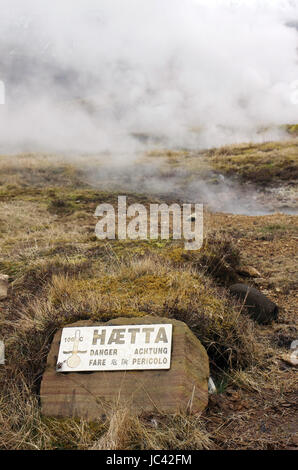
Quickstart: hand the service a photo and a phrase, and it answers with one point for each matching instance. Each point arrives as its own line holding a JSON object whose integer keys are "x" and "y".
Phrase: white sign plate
{"x": 125, "y": 347}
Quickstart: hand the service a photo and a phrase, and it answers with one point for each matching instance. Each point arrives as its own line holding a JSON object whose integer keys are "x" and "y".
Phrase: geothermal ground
{"x": 59, "y": 272}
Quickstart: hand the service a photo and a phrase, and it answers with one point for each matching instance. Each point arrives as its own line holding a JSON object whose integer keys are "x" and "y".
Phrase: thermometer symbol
{"x": 74, "y": 360}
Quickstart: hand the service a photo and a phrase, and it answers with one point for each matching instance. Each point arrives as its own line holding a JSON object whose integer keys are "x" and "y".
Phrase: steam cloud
{"x": 111, "y": 75}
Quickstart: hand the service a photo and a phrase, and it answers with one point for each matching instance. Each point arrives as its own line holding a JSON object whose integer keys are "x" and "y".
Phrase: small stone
{"x": 3, "y": 286}
{"x": 154, "y": 423}
{"x": 248, "y": 271}
{"x": 261, "y": 281}
{"x": 2, "y": 352}
{"x": 258, "y": 306}
{"x": 211, "y": 386}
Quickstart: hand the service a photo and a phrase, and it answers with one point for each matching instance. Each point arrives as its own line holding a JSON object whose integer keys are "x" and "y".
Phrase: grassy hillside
{"x": 60, "y": 272}
{"x": 263, "y": 164}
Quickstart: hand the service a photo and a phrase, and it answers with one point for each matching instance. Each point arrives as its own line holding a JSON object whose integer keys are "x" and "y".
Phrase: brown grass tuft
{"x": 126, "y": 431}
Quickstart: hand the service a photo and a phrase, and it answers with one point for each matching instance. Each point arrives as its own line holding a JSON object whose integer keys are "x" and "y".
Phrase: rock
{"x": 211, "y": 386}
{"x": 248, "y": 271}
{"x": 2, "y": 352}
{"x": 290, "y": 359}
{"x": 294, "y": 353}
{"x": 3, "y": 286}
{"x": 89, "y": 395}
{"x": 259, "y": 307}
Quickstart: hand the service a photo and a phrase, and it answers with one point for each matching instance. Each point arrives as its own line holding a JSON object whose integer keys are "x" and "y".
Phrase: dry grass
{"x": 134, "y": 287}
{"x": 126, "y": 431}
{"x": 267, "y": 163}
{"x": 59, "y": 273}
{"x": 22, "y": 427}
